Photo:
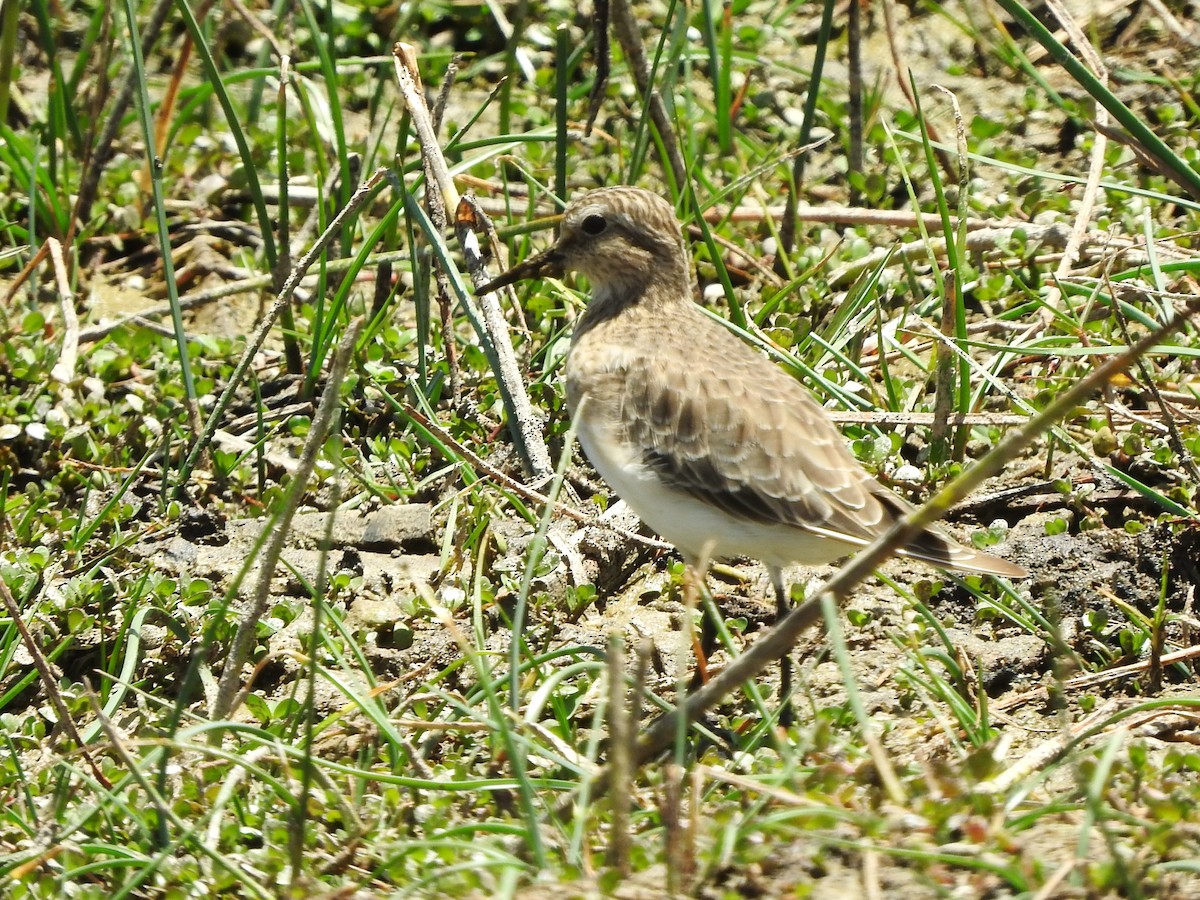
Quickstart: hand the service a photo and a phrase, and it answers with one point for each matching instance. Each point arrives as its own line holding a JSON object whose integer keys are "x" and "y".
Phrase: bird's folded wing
{"x": 748, "y": 438}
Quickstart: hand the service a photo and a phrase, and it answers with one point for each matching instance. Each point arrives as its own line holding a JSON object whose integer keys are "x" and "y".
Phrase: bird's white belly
{"x": 701, "y": 531}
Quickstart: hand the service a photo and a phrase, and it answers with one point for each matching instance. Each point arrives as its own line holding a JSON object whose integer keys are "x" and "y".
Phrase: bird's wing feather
{"x": 726, "y": 431}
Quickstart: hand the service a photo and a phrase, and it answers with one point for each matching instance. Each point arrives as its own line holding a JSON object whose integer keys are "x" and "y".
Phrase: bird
{"x": 717, "y": 449}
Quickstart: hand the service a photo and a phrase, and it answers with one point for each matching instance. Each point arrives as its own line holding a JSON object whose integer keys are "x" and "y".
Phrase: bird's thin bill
{"x": 547, "y": 263}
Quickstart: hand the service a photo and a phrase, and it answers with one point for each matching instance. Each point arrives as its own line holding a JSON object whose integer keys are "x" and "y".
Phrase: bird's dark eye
{"x": 594, "y": 225}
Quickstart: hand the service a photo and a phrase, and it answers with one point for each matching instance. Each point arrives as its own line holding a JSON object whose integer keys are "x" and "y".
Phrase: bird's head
{"x": 622, "y": 239}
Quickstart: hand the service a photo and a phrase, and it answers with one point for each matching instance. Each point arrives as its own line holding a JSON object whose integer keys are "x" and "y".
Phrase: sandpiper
{"x": 718, "y": 450}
